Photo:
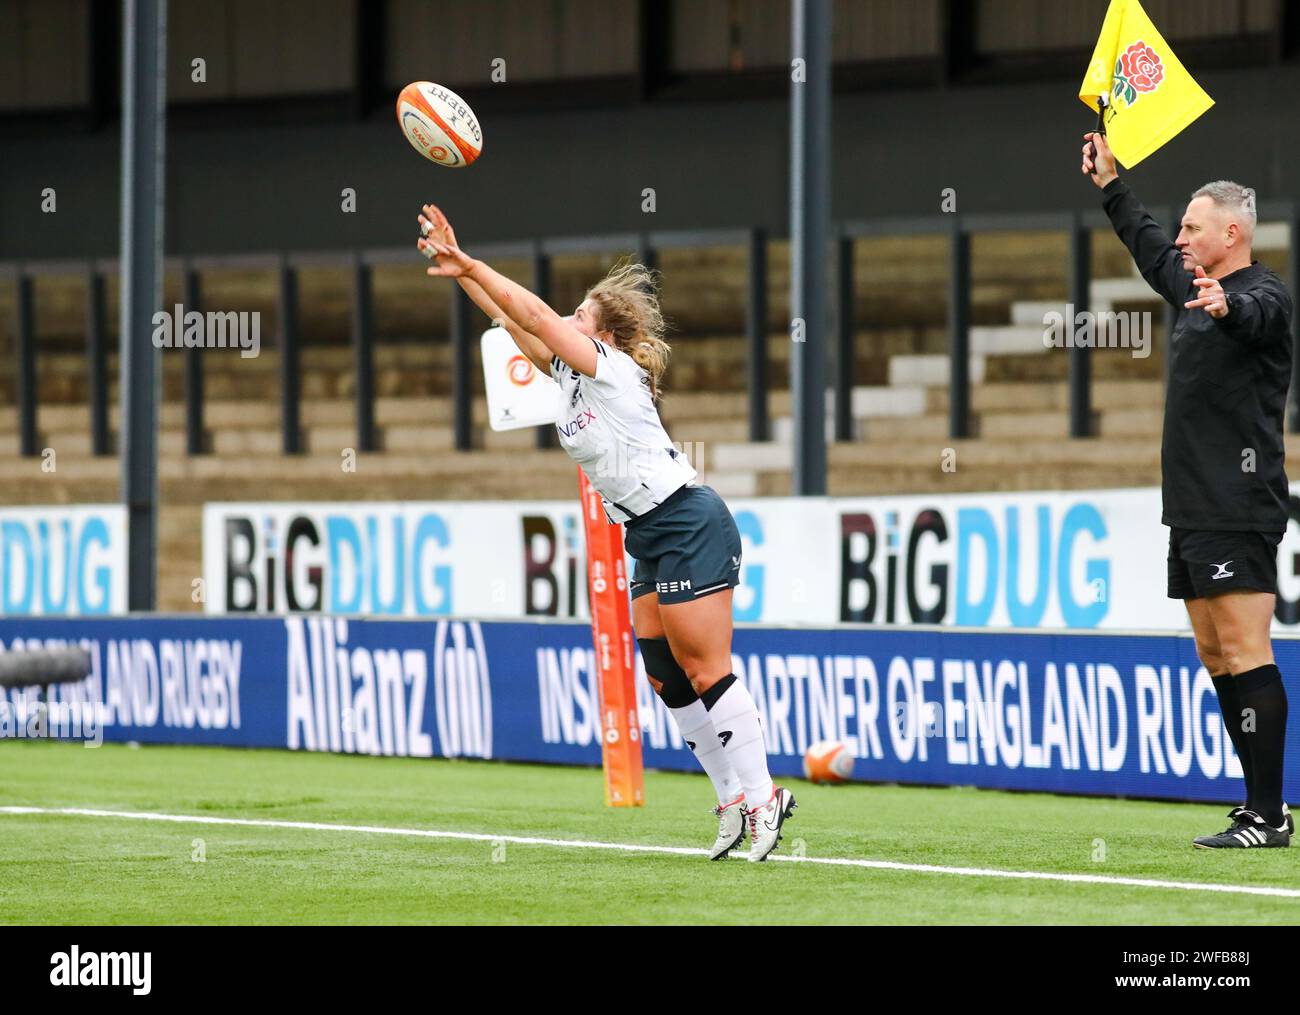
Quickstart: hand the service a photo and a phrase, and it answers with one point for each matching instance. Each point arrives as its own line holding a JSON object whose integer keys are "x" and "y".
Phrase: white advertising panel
{"x": 62, "y": 560}
{"x": 1092, "y": 559}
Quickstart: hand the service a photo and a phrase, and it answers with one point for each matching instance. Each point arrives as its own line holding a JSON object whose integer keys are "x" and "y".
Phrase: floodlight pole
{"x": 810, "y": 197}
{"x": 144, "y": 31}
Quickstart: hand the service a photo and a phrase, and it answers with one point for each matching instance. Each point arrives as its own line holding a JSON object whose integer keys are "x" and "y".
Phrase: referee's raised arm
{"x": 1156, "y": 255}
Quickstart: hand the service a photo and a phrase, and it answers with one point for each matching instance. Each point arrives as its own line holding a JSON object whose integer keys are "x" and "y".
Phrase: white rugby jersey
{"x": 608, "y": 425}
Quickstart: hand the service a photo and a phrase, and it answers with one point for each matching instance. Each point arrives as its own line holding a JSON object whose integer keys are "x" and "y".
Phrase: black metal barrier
{"x": 647, "y": 246}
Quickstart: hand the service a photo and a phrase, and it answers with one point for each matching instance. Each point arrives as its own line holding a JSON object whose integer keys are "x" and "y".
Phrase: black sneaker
{"x": 1286, "y": 813}
{"x": 1248, "y": 831}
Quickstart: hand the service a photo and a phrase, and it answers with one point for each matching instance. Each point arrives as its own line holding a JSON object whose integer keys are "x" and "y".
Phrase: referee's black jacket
{"x": 1222, "y": 457}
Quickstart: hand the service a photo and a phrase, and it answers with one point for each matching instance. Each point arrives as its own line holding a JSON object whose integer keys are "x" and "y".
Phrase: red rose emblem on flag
{"x": 1137, "y": 70}
{"x": 1142, "y": 67}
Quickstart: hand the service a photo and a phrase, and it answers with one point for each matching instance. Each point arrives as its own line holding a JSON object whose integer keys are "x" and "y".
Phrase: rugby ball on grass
{"x": 828, "y": 761}
{"x": 439, "y": 124}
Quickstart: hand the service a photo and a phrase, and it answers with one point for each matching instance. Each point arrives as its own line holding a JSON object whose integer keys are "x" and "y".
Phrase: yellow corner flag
{"x": 1150, "y": 96}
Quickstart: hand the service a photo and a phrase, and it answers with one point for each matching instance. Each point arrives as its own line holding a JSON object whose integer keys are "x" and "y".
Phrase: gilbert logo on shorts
{"x": 1223, "y": 571}
{"x": 674, "y": 586}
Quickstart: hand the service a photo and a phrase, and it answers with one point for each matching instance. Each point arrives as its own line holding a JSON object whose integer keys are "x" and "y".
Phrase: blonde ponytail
{"x": 627, "y": 306}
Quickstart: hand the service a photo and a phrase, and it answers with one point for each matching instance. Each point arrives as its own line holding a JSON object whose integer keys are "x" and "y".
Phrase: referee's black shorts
{"x": 1204, "y": 562}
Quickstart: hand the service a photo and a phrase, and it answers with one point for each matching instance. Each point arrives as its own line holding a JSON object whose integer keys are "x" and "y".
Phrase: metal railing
{"x": 1078, "y": 227}
{"x": 360, "y": 263}
{"x": 647, "y": 246}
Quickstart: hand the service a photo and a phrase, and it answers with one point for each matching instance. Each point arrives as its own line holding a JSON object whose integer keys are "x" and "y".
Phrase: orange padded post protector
{"x": 611, "y": 632}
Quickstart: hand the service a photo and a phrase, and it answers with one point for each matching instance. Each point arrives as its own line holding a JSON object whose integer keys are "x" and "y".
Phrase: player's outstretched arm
{"x": 536, "y": 317}
{"x": 434, "y": 226}
{"x": 530, "y": 345}
{"x": 529, "y": 311}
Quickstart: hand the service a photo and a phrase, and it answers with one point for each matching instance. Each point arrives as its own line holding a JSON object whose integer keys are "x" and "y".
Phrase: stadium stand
{"x": 1019, "y": 396}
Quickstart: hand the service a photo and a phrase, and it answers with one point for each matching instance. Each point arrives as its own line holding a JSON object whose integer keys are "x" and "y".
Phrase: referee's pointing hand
{"x": 1212, "y": 296}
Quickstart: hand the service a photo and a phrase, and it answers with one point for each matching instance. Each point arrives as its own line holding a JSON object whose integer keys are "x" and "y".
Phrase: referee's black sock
{"x": 1261, "y": 691}
{"x": 1225, "y": 686}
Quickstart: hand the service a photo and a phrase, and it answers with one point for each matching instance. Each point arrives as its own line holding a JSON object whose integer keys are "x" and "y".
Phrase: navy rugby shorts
{"x": 685, "y": 548}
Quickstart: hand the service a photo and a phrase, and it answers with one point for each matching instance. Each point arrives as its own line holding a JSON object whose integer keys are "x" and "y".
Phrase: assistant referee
{"x": 1222, "y": 462}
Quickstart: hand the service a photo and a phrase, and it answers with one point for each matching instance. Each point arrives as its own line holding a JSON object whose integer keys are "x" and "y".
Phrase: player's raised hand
{"x": 439, "y": 241}
{"x": 1098, "y": 159}
{"x": 1210, "y": 295}
{"x": 452, "y": 261}
{"x": 434, "y": 225}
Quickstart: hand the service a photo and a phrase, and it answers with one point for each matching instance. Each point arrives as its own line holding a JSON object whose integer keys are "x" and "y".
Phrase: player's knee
{"x": 703, "y": 680}
{"x": 693, "y": 667}
{"x": 1211, "y": 657}
{"x": 665, "y": 675}
{"x": 1239, "y": 654}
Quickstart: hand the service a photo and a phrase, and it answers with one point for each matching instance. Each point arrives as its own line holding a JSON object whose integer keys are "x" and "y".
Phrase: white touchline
{"x": 627, "y": 847}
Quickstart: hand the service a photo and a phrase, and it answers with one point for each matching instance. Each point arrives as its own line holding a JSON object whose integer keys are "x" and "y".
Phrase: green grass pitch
{"x": 62, "y": 869}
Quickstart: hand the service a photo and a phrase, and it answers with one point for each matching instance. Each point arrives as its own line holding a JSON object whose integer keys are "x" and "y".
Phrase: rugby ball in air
{"x": 828, "y": 761}
{"x": 439, "y": 124}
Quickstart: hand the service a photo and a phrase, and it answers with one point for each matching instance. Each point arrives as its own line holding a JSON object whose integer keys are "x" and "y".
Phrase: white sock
{"x": 735, "y": 719}
{"x": 697, "y": 730}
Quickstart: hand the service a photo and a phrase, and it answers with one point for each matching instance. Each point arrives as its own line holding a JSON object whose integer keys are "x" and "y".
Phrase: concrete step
{"x": 695, "y": 429}
{"x": 255, "y": 413}
{"x": 1006, "y": 452}
{"x": 495, "y": 485}
{"x": 1108, "y": 291}
{"x": 1102, "y": 295}
{"x": 929, "y": 370}
{"x": 783, "y": 429}
{"x": 1015, "y": 450}
{"x": 747, "y": 457}
{"x": 843, "y": 482}
{"x": 930, "y": 427}
{"x": 1006, "y": 339}
{"x": 1132, "y": 422}
{"x": 733, "y": 483}
{"x": 847, "y": 481}
{"x": 1107, "y": 365}
{"x": 61, "y": 488}
{"x": 1037, "y": 396}
{"x": 1030, "y": 313}
{"x": 1010, "y": 425}
{"x": 884, "y": 401}
{"x": 413, "y": 439}
{"x": 239, "y": 467}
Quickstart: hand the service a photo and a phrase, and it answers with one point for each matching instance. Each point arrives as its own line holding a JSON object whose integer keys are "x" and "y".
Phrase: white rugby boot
{"x": 765, "y": 823}
{"x": 731, "y": 827}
